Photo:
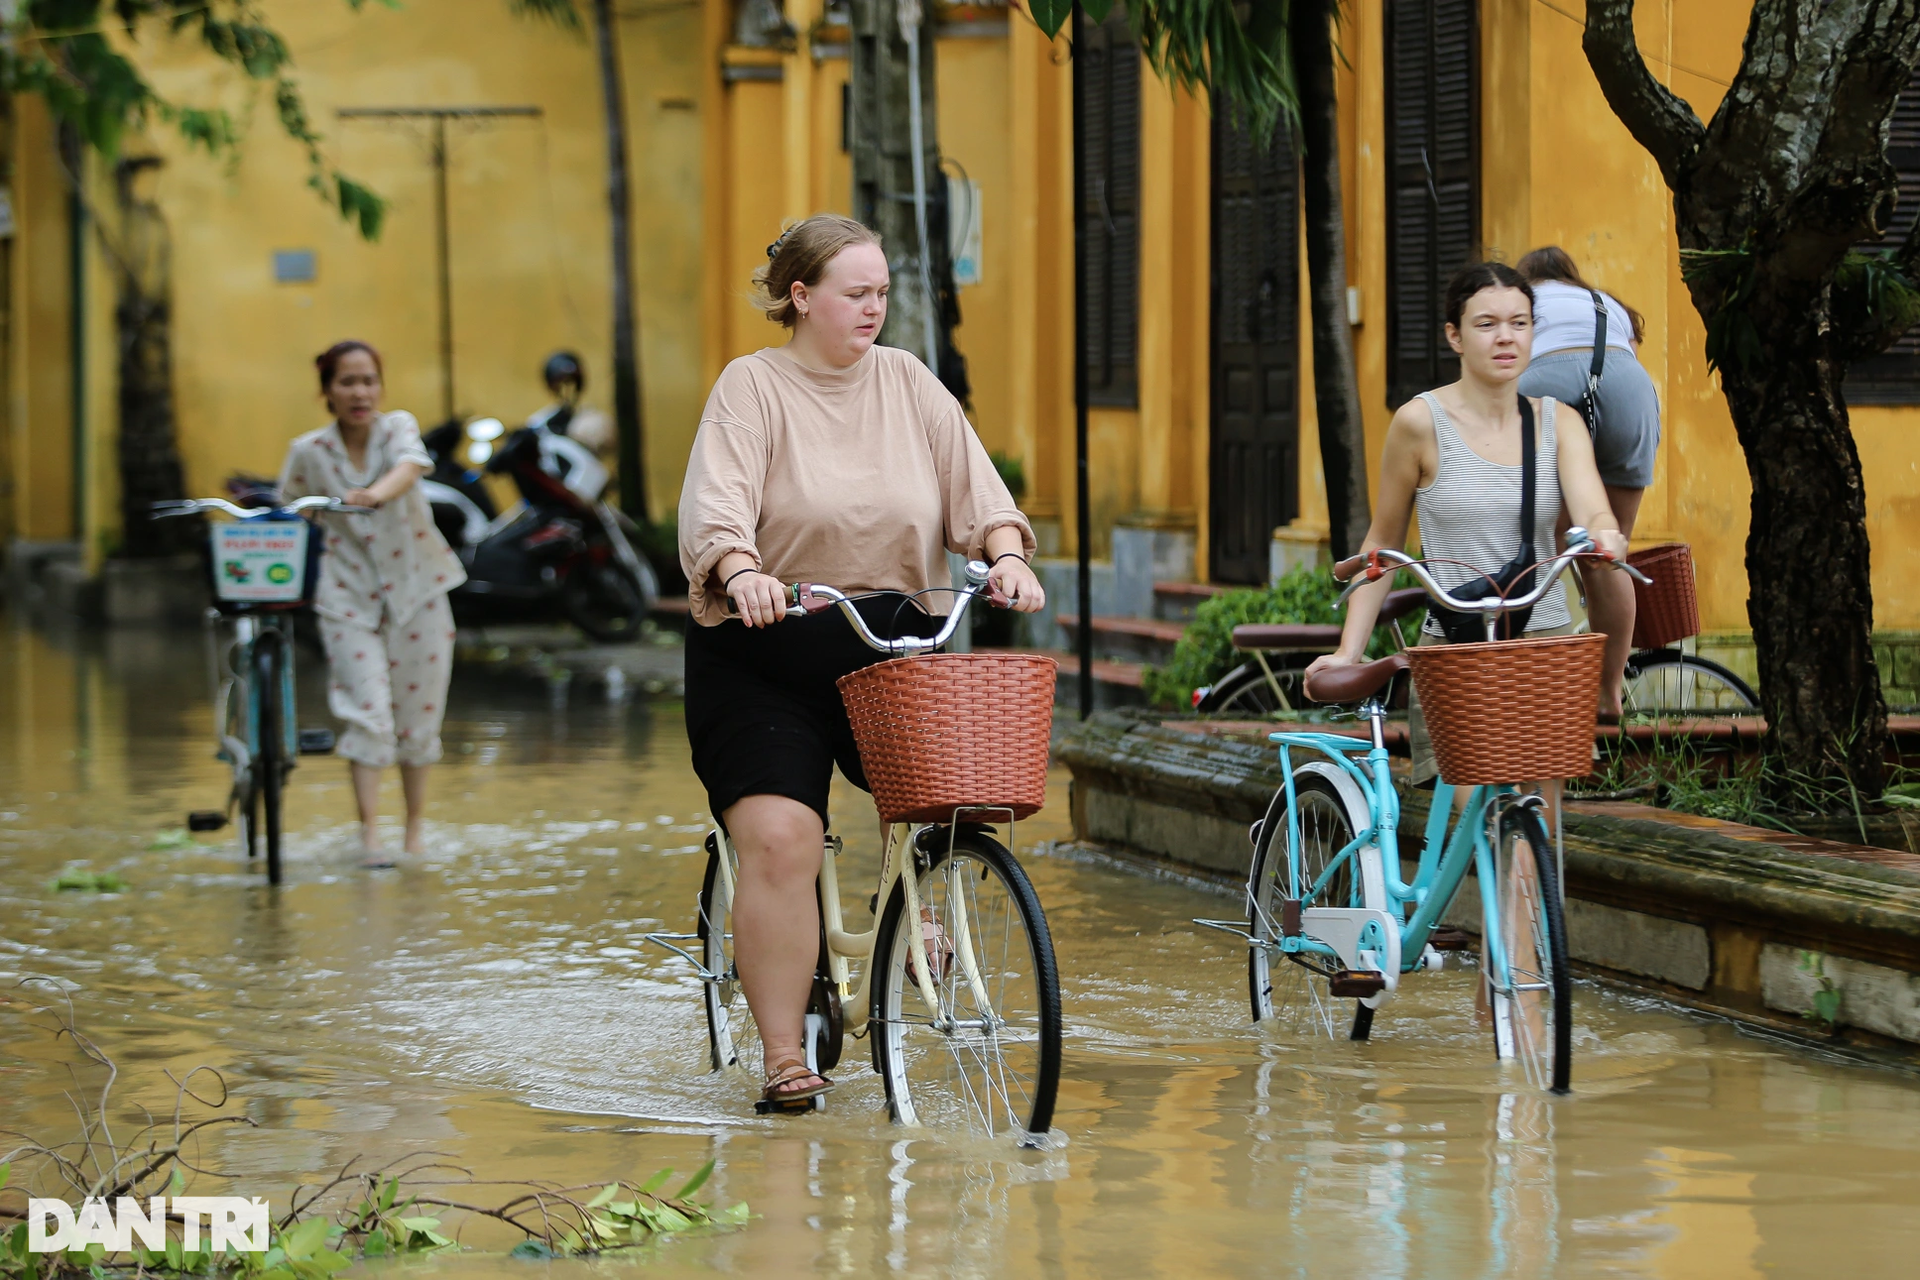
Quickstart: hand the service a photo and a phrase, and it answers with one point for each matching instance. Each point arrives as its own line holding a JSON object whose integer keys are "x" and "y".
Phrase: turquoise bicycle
{"x": 1329, "y": 916}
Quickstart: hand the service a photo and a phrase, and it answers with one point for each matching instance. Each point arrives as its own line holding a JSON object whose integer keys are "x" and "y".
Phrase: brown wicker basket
{"x": 1668, "y": 611}
{"x": 1512, "y": 710}
{"x": 953, "y": 730}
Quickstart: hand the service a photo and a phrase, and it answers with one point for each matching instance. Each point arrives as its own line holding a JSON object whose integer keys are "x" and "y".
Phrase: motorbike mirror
{"x": 485, "y": 429}
{"x": 478, "y": 452}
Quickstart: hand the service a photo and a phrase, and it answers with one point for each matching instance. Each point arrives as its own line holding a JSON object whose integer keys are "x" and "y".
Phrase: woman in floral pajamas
{"x": 383, "y": 586}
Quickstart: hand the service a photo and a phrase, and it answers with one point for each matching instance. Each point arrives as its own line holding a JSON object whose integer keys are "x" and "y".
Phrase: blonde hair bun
{"x": 801, "y": 254}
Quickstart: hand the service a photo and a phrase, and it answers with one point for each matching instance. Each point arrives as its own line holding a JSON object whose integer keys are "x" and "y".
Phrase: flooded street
{"x": 495, "y": 1004}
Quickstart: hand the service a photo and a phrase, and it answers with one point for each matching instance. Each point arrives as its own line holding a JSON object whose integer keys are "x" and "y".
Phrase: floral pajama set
{"x": 382, "y": 596}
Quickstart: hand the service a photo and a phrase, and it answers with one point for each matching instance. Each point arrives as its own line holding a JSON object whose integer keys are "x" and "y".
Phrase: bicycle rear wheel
{"x": 1245, "y": 690}
{"x": 269, "y": 764}
{"x": 1290, "y": 992}
{"x": 732, "y": 1038}
{"x": 987, "y": 1057}
{"x": 1531, "y": 990}
{"x": 1667, "y": 681}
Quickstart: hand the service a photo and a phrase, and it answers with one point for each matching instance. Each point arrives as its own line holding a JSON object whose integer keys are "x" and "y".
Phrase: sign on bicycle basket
{"x": 261, "y": 561}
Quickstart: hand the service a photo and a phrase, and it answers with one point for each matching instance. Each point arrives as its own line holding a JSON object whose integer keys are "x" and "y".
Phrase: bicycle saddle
{"x": 1292, "y": 637}
{"x": 1354, "y": 684}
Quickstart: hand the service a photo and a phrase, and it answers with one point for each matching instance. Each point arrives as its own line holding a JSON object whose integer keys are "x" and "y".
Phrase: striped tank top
{"x": 1471, "y": 512}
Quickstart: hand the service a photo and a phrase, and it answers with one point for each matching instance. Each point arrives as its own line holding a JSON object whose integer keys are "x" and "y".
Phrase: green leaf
{"x": 177, "y": 1183}
{"x": 388, "y": 1192}
{"x": 531, "y": 1249}
{"x": 1050, "y": 15}
{"x": 696, "y": 1182}
{"x": 656, "y": 1182}
{"x": 733, "y": 1215}
{"x": 605, "y": 1194}
{"x": 1096, "y": 10}
{"x": 304, "y": 1240}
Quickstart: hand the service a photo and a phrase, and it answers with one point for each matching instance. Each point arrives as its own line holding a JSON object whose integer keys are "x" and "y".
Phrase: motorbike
{"x": 563, "y": 551}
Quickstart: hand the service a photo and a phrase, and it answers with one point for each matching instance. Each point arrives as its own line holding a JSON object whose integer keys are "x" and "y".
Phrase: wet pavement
{"x": 494, "y": 1003}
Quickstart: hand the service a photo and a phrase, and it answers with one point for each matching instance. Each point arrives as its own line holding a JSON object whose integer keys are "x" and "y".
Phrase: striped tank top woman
{"x": 1471, "y": 513}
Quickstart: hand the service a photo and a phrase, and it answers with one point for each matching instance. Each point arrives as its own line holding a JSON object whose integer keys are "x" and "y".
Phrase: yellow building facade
{"x": 728, "y": 140}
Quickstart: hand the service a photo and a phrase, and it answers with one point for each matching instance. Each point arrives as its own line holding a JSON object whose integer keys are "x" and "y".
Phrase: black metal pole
{"x": 1083, "y": 518}
{"x": 443, "y": 252}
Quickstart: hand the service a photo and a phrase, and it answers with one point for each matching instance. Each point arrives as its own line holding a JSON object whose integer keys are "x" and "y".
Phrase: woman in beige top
{"x": 830, "y": 460}
{"x": 382, "y": 595}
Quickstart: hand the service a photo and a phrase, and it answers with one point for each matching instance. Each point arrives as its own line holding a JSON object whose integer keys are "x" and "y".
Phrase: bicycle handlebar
{"x": 312, "y": 502}
{"x": 813, "y": 597}
{"x": 1580, "y": 546}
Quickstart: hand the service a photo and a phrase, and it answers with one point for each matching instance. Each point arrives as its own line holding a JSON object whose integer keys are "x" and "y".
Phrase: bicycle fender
{"x": 1373, "y": 884}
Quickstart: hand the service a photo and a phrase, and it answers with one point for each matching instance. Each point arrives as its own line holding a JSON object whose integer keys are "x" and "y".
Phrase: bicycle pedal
{"x": 1356, "y": 983}
{"x": 206, "y": 820}
{"x": 316, "y": 742}
{"x": 1447, "y": 938}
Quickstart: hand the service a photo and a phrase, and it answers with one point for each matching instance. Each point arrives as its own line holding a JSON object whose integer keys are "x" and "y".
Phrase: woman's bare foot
{"x": 372, "y": 855}
{"x": 416, "y": 845}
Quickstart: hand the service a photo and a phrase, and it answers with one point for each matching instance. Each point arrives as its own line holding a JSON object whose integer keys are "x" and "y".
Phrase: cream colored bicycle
{"x": 961, "y": 1008}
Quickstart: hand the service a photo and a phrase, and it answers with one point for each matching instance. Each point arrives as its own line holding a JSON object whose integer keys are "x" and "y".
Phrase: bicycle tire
{"x": 731, "y": 1033}
{"x": 250, "y": 820}
{"x": 269, "y": 763}
{"x": 1243, "y": 689}
{"x": 1015, "y": 1040}
{"x": 1536, "y": 987}
{"x": 1667, "y": 680}
{"x": 1282, "y": 990}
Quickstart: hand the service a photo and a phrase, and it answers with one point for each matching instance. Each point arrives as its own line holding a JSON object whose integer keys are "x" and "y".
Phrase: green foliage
{"x": 560, "y": 12}
{"x": 80, "y": 880}
{"x": 1013, "y": 473}
{"x": 172, "y": 840}
{"x": 1237, "y": 53}
{"x": 1206, "y": 652}
{"x": 59, "y": 50}
{"x": 1726, "y": 277}
{"x": 1905, "y": 795}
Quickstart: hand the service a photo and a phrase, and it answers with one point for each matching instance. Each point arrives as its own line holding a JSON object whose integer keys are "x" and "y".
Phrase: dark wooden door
{"x": 1255, "y": 449}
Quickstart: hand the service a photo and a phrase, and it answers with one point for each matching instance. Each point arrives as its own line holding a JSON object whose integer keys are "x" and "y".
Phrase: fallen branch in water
{"x": 357, "y": 1213}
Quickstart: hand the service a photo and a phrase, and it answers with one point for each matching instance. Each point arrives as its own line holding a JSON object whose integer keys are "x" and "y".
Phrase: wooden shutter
{"x": 1254, "y": 443}
{"x": 1110, "y": 260}
{"x": 1433, "y": 187}
{"x": 1893, "y": 377}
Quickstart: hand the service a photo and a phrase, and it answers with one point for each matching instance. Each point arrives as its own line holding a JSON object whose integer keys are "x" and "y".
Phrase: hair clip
{"x": 774, "y": 248}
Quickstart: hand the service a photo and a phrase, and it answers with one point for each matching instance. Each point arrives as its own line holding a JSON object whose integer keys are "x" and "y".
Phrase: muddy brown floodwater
{"x": 495, "y": 1004}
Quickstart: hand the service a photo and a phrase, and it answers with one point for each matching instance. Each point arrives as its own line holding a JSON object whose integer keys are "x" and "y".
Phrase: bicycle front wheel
{"x": 1530, "y": 988}
{"x": 1293, "y": 992}
{"x": 1667, "y": 681}
{"x": 986, "y": 1056}
{"x": 732, "y": 1038}
{"x": 269, "y": 764}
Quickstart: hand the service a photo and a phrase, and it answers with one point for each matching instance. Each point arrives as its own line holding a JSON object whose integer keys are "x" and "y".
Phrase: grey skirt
{"x": 1629, "y": 434}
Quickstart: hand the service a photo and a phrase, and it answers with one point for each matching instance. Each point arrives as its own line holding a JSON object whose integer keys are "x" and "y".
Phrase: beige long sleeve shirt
{"x": 859, "y": 478}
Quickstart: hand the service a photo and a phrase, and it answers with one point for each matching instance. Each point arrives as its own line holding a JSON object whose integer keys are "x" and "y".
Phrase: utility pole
{"x": 626, "y": 325}
{"x": 898, "y": 187}
{"x": 1082, "y": 486}
{"x": 436, "y": 118}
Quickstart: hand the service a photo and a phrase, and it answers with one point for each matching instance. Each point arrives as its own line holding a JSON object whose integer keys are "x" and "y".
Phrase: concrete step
{"x": 1176, "y": 601}
{"x": 1126, "y": 639}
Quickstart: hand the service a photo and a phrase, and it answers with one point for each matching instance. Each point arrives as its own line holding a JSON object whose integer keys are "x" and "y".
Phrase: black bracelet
{"x": 1004, "y": 554}
{"x": 736, "y": 573}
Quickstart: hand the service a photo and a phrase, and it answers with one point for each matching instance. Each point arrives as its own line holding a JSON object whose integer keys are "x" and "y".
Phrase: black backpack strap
{"x": 1528, "y": 458}
{"x": 1599, "y": 339}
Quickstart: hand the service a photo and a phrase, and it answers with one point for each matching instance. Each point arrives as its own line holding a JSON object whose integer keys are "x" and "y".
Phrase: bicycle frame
{"x": 231, "y": 671}
{"x": 843, "y": 948}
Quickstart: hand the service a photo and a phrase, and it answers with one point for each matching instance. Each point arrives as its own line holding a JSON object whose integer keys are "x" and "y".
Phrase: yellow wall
{"x": 727, "y": 143}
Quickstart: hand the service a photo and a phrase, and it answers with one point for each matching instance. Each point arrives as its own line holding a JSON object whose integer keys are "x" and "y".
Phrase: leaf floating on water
{"x": 81, "y": 880}
{"x": 172, "y": 839}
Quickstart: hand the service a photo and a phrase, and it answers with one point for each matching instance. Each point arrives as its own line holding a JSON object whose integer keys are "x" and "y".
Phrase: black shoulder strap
{"x": 1599, "y": 336}
{"x": 1527, "y": 462}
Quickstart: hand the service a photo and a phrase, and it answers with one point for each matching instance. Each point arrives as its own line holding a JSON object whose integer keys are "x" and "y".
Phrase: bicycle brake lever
{"x": 804, "y": 598}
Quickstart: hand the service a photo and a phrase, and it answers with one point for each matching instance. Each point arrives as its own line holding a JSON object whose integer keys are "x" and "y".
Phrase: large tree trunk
{"x": 1336, "y": 382}
{"x": 923, "y": 297}
{"x": 1769, "y": 200}
{"x": 627, "y": 419}
{"x": 1810, "y": 598}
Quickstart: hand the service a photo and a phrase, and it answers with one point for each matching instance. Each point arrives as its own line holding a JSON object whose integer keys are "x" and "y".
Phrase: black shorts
{"x": 764, "y": 717}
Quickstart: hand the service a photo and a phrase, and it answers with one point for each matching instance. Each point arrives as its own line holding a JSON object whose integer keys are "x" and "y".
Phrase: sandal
{"x": 939, "y": 948}
{"x": 776, "y": 1098}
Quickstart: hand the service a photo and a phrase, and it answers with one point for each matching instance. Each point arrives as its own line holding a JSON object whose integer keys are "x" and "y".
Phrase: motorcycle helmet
{"x": 562, "y": 367}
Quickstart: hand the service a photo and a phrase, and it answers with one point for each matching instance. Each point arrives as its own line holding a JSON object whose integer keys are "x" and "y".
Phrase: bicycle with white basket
{"x": 265, "y": 562}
